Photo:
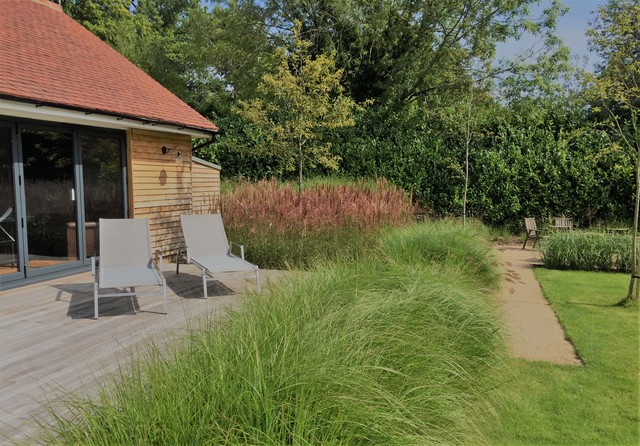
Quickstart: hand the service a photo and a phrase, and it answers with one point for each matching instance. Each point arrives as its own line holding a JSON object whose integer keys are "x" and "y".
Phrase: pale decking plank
{"x": 51, "y": 346}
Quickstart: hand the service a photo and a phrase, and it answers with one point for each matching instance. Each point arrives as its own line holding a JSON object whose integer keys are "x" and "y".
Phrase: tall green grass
{"x": 587, "y": 251}
{"x": 392, "y": 350}
{"x": 281, "y": 227}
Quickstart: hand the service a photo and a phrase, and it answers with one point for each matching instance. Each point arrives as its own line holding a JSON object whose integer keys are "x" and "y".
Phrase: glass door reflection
{"x": 8, "y": 223}
{"x": 102, "y": 176}
{"x": 50, "y": 197}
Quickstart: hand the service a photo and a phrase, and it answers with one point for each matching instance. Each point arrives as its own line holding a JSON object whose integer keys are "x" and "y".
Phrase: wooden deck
{"x": 50, "y": 345}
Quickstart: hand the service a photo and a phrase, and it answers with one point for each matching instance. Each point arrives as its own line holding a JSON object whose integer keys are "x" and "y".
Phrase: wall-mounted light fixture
{"x": 166, "y": 150}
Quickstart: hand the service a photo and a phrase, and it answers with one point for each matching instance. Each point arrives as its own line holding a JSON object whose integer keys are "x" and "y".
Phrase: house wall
{"x": 205, "y": 187}
{"x": 160, "y": 186}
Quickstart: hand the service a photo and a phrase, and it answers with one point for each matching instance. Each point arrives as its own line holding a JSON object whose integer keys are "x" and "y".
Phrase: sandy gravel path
{"x": 534, "y": 332}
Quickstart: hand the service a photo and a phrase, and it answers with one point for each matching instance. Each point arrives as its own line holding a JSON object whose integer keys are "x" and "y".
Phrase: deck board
{"x": 50, "y": 345}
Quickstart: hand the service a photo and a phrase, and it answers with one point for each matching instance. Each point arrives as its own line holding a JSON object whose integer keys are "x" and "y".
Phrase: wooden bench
{"x": 562, "y": 224}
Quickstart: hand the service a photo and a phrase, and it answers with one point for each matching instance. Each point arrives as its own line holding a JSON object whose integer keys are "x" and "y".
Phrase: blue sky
{"x": 571, "y": 28}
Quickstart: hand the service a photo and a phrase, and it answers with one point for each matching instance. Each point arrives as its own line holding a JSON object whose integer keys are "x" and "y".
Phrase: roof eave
{"x": 44, "y": 111}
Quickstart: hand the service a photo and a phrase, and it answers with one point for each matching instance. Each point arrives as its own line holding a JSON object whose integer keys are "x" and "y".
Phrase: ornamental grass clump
{"x": 587, "y": 251}
{"x": 282, "y": 227}
{"x": 375, "y": 352}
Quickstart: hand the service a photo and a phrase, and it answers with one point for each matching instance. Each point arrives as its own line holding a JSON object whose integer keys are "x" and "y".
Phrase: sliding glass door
{"x": 54, "y": 181}
{"x": 48, "y": 164}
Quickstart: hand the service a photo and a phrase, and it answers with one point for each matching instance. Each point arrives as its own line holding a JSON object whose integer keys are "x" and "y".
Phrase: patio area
{"x": 52, "y": 346}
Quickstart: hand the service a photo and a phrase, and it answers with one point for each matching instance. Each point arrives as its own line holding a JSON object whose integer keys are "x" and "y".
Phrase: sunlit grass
{"x": 596, "y": 404}
{"x": 389, "y": 350}
{"x": 587, "y": 251}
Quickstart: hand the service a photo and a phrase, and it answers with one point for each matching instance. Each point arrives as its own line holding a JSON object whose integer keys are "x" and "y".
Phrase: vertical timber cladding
{"x": 160, "y": 185}
{"x": 205, "y": 187}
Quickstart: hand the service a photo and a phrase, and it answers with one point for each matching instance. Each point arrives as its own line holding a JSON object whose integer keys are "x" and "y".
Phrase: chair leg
{"x": 164, "y": 295}
{"x": 525, "y": 241}
{"x": 133, "y": 293}
{"x": 258, "y": 279}
{"x": 95, "y": 300}
{"x": 204, "y": 282}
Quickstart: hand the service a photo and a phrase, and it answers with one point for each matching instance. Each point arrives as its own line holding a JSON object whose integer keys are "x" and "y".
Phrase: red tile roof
{"x": 46, "y": 57}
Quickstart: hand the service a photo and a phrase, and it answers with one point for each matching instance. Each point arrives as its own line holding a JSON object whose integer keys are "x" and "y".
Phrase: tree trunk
{"x": 466, "y": 184}
{"x": 300, "y": 158}
{"x": 635, "y": 265}
{"x": 467, "y": 142}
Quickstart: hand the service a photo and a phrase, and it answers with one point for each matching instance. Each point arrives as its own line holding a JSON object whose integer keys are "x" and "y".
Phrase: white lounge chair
{"x": 126, "y": 260}
{"x": 208, "y": 248}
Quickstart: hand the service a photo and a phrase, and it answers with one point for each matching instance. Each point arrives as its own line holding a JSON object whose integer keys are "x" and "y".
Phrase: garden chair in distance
{"x": 532, "y": 232}
{"x": 126, "y": 260}
{"x": 562, "y": 224}
{"x": 208, "y": 248}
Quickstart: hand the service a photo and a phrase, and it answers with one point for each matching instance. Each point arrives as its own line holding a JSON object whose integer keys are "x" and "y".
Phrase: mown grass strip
{"x": 566, "y": 405}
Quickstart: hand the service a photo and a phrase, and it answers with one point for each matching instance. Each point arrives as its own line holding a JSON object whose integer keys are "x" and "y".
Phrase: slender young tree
{"x": 298, "y": 105}
{"x": 615, "y": 37}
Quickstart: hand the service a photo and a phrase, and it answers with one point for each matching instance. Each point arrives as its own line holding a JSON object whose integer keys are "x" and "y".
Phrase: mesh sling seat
{"x": 208, "y": 248}
{"x": 126, "y": 260}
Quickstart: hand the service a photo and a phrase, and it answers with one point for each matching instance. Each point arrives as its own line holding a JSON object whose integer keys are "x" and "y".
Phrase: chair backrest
{"x": 204, "y": 235}
{"x": 530, "y": 224}
{"x": 124, "y": 242}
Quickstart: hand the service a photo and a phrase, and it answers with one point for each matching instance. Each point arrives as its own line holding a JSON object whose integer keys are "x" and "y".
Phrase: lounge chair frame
{"x": 207, "y": 247}
{"x": 126, "y": 260}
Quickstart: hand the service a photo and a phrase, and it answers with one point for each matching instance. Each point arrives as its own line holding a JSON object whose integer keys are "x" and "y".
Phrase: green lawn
{"x": 592, "y": 405}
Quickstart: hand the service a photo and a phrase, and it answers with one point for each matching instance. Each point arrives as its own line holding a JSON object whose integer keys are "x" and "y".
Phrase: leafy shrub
{"x": 587, "y": 251}
{"x": 374, "y": 352}
{"x": 281, "y": 227}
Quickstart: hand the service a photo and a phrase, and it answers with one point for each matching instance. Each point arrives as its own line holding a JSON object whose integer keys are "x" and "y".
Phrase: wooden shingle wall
{"x": 159, "y": 185}
{"x": 205, "y": 187}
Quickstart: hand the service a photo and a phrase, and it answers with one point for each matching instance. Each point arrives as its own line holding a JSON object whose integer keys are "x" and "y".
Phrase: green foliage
{"x": 534, "y": 149}
{"x": 297, "y": 106}
{"x": 587, "y": 251}
{"x": 374, "y": 352}
{"x": 519, "y": 167}
{"x": 614, "y": 37}
{"x": 409, "y": 51}
{"x": 550, "y": 403}
{"x": 190, "y": 49}
{"x": 282, "y": 228}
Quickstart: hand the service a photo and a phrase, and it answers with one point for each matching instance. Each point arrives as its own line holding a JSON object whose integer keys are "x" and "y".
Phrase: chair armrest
{"x": 231, "y": 244}
{"x": 158, "y": 261}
